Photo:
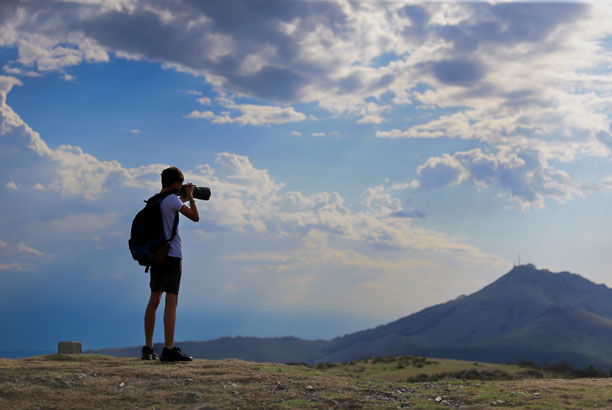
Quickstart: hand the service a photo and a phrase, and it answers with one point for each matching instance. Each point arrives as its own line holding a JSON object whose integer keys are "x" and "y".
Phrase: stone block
{"x": 69, "y": 348}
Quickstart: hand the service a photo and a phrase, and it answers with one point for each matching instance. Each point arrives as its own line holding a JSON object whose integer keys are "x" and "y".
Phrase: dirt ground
{"x": 102, "y": 382}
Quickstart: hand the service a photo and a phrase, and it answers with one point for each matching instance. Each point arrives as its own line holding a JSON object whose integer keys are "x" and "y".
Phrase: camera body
{"x": 202, "y": 193}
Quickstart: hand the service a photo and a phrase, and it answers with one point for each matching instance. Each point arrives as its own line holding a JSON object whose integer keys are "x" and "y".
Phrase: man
{"x": 166, "y": 277}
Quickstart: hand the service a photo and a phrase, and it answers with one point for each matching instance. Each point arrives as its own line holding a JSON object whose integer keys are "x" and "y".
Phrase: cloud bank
{"x": 516, "y": 77}
{"x": 525, "y": 87}
{"x": 247, "y": 202}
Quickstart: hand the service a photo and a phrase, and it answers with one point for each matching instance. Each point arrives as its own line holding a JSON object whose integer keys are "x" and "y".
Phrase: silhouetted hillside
{"x": 578, "y": 336}
{"x": 528, "y": 314}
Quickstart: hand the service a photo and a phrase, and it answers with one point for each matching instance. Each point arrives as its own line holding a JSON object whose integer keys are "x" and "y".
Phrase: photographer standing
{"x": 166, "y": 276}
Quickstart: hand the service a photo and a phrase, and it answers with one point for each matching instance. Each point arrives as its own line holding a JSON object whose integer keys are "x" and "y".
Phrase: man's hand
{"x": 190, "y": 211}
{"x": 188, "y": 192}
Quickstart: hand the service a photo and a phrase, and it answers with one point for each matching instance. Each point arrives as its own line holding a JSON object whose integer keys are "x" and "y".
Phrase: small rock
{"x": 234, "y": 385}
{"x": 438, "y": 399}
{"x": 122, "y": 384}
{"x": 309, "y": 388}
{"x": 63, "y": 383}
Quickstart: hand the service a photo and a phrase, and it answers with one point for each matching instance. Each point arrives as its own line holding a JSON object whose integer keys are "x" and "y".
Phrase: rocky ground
{"x": 102, "y": 382}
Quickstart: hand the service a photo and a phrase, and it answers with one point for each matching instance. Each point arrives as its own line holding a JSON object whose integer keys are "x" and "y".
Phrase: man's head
{"x": 171, "y": 176}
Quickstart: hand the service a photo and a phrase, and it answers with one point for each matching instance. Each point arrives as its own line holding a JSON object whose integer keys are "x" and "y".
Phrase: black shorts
{"x": 167, "y": 276}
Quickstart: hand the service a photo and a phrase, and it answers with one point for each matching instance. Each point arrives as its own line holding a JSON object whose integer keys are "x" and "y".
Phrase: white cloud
{"x": 252, "y": 115}
{"x": 525, "y": 175}
{"x": 9, "y": 70}
{"x": 523, "y": 76}
{"x": 531, "y": 89}
{"x": 316, "y": 253}
{"x": 45, "y": 47}
{"x": 373, "y": 113}
{"x": 74, "y": 172}
{"x": 530, "y": 82}
{"x": 21, "y": 257}
{"x": 14, "y": 266}
{"x": 246, "y": 201}
{"x": 247, "y": 198}
{"x": 382, "y": 285}
{"x": 603, "y": 184}
{"x": 380, "y": 202}
{"x": 488, "y": 59}
{"x": 22, "y": 248}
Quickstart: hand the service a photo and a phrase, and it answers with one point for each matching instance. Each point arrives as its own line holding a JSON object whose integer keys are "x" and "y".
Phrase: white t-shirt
{"x": 169, "y": 206}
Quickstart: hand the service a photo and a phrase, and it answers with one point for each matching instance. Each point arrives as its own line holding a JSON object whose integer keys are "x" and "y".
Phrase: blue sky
{"x": 367, "y": 159}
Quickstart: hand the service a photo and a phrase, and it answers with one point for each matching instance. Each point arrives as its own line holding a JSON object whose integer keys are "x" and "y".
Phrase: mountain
{"x": 562, "y": 332}
{"x": 527, "y": 314}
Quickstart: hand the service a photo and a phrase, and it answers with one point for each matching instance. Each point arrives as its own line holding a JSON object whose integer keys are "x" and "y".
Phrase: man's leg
{"x": 170, "y": 318}
{"x": 149, "y": 319}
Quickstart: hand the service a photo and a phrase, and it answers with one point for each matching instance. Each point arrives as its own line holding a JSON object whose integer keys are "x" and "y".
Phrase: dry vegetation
{"x": 102, "y": 382}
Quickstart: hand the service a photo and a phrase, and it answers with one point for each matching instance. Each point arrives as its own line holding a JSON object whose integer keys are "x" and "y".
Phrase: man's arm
{"x": 190, "y": 211}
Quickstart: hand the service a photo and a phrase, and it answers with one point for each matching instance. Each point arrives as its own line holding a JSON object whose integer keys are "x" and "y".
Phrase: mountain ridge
{"x": 527, "y": 314}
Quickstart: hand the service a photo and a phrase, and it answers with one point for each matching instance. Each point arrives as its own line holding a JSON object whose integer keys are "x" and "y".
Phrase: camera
{"x": 202, "y": 193}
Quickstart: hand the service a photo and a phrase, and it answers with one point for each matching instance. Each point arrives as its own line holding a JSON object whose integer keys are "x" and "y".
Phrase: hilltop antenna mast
{"x": 517, "y": 261}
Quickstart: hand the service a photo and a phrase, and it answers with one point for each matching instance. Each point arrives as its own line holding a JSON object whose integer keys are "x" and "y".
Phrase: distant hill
{"x": 528, "y": 314}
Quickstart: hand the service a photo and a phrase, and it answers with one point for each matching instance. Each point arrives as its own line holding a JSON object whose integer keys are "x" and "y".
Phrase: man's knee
{"x": 155, "y": 299}
{"x": 171, "y": 299}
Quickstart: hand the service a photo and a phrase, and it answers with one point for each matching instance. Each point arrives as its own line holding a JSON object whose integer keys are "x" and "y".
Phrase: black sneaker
{"x": 174, "y": 355}
{"x": 148, "y": 353}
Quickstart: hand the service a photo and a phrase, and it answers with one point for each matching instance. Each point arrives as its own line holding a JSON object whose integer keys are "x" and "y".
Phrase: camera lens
{"x": 202, "y": 193}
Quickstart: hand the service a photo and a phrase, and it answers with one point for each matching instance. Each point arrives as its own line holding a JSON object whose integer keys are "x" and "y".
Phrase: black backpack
{"x": 148, "y": 244}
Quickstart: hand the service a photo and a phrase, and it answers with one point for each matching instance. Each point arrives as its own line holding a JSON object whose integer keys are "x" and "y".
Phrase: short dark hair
{"x": 171, "y": 175}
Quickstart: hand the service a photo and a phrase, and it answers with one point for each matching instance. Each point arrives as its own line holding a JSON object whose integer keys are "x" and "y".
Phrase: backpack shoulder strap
{"x": 161, "y": 195}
